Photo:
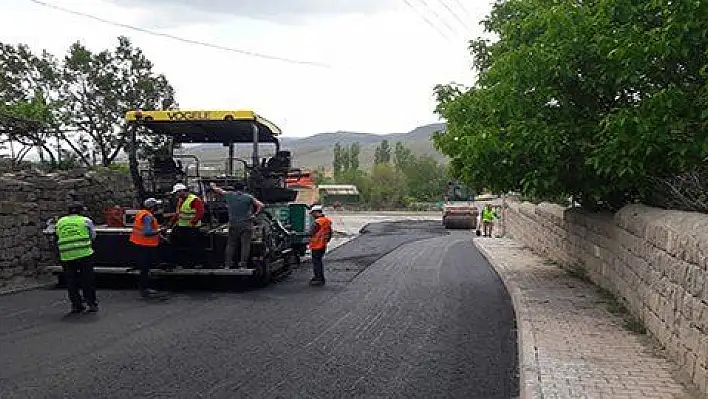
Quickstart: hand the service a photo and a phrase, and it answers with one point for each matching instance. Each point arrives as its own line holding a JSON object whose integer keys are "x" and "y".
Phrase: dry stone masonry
{"x": 29, "y": 198}
{"x": 654, "y": 260}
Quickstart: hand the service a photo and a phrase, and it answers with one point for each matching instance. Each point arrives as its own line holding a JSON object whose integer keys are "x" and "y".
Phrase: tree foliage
{"x": 354, "y": 151}
{"x": 337, "y": 159}
{"x": 392, "y": 184}
{"x": 100, "y": 87}
{"x": 82, "y": 99}
{"x": 382, "y": 154}
{"x": 388, "y": 187}
{"x": 591, "y": 99}
{"x": 402, "y": 156}
{"x": 345, "y": 159}
{"x": 27, "y": 83}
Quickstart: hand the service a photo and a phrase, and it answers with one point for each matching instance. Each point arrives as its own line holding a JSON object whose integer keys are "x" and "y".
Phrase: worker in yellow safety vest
{"x": 75, "y": 234}
{"x": 186, "y": 222}
{"x": 320, "y": 235}
{"x": 488, "y": 216}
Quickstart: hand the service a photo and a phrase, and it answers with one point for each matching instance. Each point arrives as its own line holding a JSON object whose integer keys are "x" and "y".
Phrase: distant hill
{"x": 313, "y": 151}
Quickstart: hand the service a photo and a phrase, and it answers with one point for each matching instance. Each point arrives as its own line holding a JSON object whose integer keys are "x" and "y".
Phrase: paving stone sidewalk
{"x": 570, "y": 345}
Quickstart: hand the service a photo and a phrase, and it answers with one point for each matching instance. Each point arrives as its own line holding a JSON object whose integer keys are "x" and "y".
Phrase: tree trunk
{"x": 52, "y": 158}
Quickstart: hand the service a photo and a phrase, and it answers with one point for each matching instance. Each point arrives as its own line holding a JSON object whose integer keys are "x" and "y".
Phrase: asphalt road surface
{"x": 408, "y": 311}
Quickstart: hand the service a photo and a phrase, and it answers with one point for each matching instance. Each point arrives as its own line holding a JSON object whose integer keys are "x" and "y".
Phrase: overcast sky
{"x": 384, "y": 58}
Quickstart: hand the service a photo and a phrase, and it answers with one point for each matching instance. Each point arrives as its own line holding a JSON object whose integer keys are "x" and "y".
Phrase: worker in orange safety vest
{"x": 145, "y": 237}
{"x": 320, "y": 235}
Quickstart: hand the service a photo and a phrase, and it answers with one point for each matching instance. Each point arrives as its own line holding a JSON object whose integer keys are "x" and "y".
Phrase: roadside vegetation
{"x": 602, "y": 101}
{"x": 398, "y": 179}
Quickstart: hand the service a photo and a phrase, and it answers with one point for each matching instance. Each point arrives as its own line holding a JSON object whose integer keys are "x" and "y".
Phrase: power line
{"x": 462, "y": 7}
{"x": 435, "y": 13}
{"x": 454, "y": 14}
{"x": 181, "y": 39}
{"x": 424, "y": 18}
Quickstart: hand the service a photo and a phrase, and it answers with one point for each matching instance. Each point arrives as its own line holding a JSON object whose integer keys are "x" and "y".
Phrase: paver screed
{"x": 570, "y": 345}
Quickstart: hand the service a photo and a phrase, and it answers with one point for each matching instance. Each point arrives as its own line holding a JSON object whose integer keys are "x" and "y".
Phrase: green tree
{"x": 594, "y": 99}
{"x": 382, "y": 154}
{"x": 337, "y": 166}
{"x": 388, "y": 187}
{"x": 425, "y": 179}
{"x": 354, "y": 151}
{"x": 81, "y": 101}
{"x": 100, "y": 87}
{"x": 346, "y": 161}
{"x": 27, "y": 85}
{"x": 23, "y": 122}
{"x": 403, "y": 157}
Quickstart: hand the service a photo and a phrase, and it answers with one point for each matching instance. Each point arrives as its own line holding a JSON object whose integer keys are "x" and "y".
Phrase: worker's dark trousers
{"x": 188, "y": 246}
{"x": 317, "y": 264}
{"x": 146, "y": 259}
{"x": 79, "y": 275}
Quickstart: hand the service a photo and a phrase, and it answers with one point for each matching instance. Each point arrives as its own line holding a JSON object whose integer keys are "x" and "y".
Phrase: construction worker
{"x": 186, "y": 222}
{"x": 488, "y": 215}
{"x": 243, "y": 209}
{"x": 320, "y": 235}
{"x": 146, "y": 239}
{"x": 75, "y": 235}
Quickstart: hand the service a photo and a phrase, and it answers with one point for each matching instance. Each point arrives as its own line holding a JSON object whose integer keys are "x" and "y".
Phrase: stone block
{"x": 702, "y": 352}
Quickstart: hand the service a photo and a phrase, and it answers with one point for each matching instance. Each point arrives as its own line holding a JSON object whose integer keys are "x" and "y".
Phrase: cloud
{"x": 283, "y": 11}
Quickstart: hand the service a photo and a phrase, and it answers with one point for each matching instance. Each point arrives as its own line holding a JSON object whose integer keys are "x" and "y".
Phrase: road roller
{"x": 459, "y": 211}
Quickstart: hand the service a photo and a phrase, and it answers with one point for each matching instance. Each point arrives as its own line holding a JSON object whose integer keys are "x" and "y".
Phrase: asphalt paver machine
{"x": 280, "y": 232}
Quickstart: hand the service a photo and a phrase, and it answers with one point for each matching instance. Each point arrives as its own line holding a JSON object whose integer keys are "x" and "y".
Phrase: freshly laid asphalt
{"x": 408, "y": 311}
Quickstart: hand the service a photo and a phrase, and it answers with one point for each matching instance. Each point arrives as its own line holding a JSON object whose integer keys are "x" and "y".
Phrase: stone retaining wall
{"x": 29, "y": 198}
{"x": 654, "y": 260}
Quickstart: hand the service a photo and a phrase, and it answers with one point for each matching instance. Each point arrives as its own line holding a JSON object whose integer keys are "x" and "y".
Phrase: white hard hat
{"x": 316, "y": 208}
{"x": 150, "y": 202}
{"x": 178, "y": 187}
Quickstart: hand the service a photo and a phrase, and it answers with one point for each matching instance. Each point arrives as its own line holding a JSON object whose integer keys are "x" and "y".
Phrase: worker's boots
{"x": 316, "y": 282}
{"x": 76, "y": 309}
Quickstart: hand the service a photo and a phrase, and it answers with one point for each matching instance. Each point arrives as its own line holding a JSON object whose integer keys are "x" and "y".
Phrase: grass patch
{"x": 616, "y": 308}
{"x": 578, "y": 271}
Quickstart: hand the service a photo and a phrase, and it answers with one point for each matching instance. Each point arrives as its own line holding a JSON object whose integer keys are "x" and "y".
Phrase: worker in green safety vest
{"x": 75, "y": 235}
{"x": 488, "y": 216}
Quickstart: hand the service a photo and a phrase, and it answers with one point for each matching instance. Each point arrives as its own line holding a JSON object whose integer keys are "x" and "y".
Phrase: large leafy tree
{"x": 591, "y": 99}
{"x": 425, "y": 178}
{"x": 79, "y": 103}
{"x": 387, "y": 188}
{"x": 28, "y": 89}
{"x": 100, "y": 87}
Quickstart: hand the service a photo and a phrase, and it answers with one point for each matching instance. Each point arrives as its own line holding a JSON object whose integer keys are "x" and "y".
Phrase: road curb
{"x": 29, "y": 287}
{"x": 529, "y": 369}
